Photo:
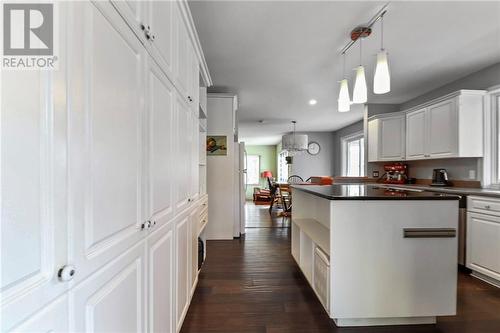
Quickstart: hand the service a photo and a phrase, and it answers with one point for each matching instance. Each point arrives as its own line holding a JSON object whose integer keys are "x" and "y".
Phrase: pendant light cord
{"x": 360, "y": 51}
{"x": 382, "y": 33}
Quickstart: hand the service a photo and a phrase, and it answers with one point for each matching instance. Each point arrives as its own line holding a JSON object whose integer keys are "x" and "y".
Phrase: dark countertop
{"x": 370, "y": 192}
{"x": 449, "y": 190}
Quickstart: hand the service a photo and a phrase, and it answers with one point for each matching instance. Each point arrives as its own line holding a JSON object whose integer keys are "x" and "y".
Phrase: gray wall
{"x": 483, "y": 79}
{"x": 337, "y": 149}
{"x": 306, "y": 165}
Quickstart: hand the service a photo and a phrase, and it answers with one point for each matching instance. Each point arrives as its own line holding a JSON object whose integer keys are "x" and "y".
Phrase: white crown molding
{"x": 193, "y": 35}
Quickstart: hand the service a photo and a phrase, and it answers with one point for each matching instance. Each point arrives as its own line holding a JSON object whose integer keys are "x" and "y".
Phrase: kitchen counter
{"x": 372, "y": 192}
{"x": 447, "y": 189}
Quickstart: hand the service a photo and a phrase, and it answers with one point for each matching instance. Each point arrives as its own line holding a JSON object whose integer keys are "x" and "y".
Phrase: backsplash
{"x": 458, "y": 168}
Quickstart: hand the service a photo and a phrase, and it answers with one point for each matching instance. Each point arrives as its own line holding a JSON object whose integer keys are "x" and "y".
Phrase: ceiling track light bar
{"x": 364, "y": 31}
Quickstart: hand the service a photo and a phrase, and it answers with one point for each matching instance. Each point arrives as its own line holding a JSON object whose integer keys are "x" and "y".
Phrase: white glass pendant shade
{"x": 294, "y": 142}
{"x": 382, "y": 78}
{"x": 360, "y": 94}
{"x": 344, "y": 101}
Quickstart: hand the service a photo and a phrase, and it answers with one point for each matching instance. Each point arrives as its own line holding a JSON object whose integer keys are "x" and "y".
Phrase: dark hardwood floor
{"x": 253, "y": 285}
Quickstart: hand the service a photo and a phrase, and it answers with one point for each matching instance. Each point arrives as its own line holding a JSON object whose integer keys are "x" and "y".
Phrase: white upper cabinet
{"x": 386, "y": 138}
{"x": 161, "y": 117}
{"x": 416, "y": 134}
{"x": 451, "y": 126}
{"x": 163, "y": 21}
{"x": 183, "y": 61}
{"x": 442, "y": 129}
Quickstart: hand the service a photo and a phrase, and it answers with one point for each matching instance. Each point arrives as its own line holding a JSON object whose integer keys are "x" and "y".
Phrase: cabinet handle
{"x": 66, "y": 273}
{"x": 429, "y": 233}
{"x": 190, "y": 98}
{"x": 146, "y": 225}
{"x": 487, "y": 207}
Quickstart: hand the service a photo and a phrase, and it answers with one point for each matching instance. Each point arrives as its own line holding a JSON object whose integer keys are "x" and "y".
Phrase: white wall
{"x": 220, "y": 170}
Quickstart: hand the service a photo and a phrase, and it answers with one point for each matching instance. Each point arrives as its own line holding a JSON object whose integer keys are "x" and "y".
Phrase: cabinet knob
{"x": 66, "y": 273}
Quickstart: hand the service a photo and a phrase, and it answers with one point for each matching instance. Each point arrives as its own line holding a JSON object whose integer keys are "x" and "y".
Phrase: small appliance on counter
{"x": 396, "y": 173}
{"x": 440, "y": 178}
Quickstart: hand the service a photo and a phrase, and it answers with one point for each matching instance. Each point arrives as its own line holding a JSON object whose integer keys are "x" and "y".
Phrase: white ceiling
{"x": 278, "y": 55}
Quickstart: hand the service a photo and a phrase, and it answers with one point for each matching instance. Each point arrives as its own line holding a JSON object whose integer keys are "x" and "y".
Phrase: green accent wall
{"x": 268, "y": 162}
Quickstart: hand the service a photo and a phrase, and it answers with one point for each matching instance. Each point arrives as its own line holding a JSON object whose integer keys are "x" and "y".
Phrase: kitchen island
{"x": 376, "y": 256}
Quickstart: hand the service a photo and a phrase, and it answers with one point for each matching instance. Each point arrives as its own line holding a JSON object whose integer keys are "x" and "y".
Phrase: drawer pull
{"x": 429, "y": 233}
{"x": 487, "y": 207}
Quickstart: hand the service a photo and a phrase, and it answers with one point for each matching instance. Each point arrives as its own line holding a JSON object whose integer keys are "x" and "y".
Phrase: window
{"x": 253, "y": 169}
{"x": 491, "y": 160}
{"x": 353, "y": 155}
{"x": 282, "y": 167}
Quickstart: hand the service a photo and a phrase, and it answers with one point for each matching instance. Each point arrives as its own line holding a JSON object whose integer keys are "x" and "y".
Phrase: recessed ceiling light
{"x": 313, "y": 102}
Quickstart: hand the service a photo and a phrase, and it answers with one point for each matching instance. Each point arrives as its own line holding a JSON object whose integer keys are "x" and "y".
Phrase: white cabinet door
{"x": 442, "y": 124}
{"x": 194, "y": 222}
{"x": 52, "y": 318}
{"x": 182, "y": 151}
{"x": 483, "y": 244}
{"x": 392, "y": 138}
{"x": 160, "y": 104}
{"x": 194, "y": 159}
{"x": 33, "y": 191}
{"x": 161, "y": 313}
{"x": 183, "y": 58}
{"x": 163, "y": 20}
{"x": 182, "y": 241}
{"x": 135, "y": 13}
{"x": 416, "y": 133}
{"x": 112, "y": 299}
{"x": 107, "y": 93}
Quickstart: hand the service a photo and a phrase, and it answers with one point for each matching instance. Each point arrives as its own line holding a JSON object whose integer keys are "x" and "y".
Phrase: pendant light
{"x": 294, "y": 143}
{"x": 344, "y": 101}
{"x": 382, "y": 77}
{"x": 360, "y": 93}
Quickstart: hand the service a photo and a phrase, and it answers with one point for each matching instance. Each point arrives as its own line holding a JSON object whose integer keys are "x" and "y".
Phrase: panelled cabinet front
{"x": 100, "y": 173}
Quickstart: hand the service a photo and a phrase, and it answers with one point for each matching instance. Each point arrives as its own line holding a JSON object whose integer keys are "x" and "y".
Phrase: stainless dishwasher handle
{"x": 429, "y": 233}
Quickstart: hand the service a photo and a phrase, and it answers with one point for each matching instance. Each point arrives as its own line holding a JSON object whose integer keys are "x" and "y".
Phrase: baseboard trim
{"x": 351, "y": 322}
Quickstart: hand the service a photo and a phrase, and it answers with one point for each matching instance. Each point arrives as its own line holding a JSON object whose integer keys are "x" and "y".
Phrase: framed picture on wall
{"x": 216, "y": 145}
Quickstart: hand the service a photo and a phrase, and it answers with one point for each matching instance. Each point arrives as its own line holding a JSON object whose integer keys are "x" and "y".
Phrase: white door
{"x": 33, "y": 213}
{"x": 182, "y": 244}
{"x": 442, "y": 127}
{"x": 194, "y": 158}
{"x": 136, "y": 13}
{"x": 112, "y": 299}
{"x": 160, "y": 104}
{"x": 416, "y": 134}
{"x": 483, "y": 244}
{"x": 392, "y": 138}
{"x": 106, "y": 95}
{"x": 183, "y": 152}
{"x": 163, "y": 20}
{"x": 183, "y": 59}
{"x": 51, "y": 318}
{"x": 194, "y": 222}
{"x": 161, "y": 291}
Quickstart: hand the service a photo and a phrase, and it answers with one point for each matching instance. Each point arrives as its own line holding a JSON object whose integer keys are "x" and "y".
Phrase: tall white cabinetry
{"x": 100, "y": 178}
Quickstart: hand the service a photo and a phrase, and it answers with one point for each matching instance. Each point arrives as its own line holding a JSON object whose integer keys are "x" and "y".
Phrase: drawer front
{"x": 484, "y": 205}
